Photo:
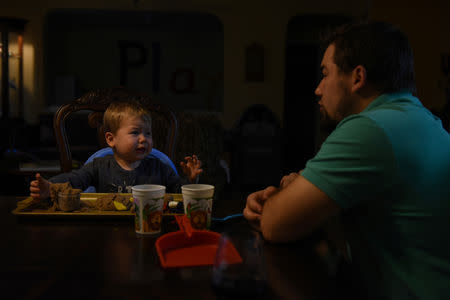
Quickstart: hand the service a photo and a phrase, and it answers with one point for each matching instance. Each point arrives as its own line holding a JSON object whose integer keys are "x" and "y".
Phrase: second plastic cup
{"x": 197, "y": 201}
{"x": 149, "y": 201}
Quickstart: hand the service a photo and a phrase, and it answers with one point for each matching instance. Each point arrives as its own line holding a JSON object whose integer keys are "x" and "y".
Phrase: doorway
{"x": 301, "y": 130}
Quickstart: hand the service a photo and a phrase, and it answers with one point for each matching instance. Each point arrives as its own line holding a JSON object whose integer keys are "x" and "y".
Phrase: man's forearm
{"x": 295, "y": 211}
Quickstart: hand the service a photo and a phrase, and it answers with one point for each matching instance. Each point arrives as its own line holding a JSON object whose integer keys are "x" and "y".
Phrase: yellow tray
{"x": 91, "y": 213}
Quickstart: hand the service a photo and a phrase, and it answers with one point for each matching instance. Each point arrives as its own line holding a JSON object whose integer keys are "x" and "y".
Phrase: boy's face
{"x": 133, "y": 140}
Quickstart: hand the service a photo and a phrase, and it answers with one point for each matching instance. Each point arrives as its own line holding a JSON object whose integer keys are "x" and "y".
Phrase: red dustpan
{"x": 189, "y": 247}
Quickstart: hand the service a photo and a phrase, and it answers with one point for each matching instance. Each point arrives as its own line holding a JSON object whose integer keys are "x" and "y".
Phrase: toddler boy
{"x": 128, "y": 132}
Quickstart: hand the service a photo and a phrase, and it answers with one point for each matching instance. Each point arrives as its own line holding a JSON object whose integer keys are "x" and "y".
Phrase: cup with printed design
{"x": 149, "y": 201}
{"x": 197, "y": 201}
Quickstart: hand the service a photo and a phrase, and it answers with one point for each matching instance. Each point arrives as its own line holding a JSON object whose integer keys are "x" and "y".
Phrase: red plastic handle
{"x": 184, "y": 224}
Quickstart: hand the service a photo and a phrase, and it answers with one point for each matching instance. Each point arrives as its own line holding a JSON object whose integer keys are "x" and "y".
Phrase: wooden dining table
{"x": 68, "y": 258}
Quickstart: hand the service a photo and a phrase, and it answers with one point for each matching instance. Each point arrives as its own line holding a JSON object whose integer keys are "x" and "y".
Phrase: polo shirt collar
{"x": 402, "y": 96}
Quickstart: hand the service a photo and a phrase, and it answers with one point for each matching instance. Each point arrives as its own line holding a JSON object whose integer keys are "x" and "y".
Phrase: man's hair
{"x": 383, "y": 50}
{"x": 117, "y": 111}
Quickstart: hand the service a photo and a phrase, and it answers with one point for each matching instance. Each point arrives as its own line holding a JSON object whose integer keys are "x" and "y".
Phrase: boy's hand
{"x": 191, "y": 168}
{"x": 40, "y": 188}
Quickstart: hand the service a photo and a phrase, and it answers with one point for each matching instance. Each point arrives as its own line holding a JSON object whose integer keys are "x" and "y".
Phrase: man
{"x": 385, "y": 169}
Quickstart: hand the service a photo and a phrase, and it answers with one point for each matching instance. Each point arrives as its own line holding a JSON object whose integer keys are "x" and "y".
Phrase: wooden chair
{"x": 164, "y": 121}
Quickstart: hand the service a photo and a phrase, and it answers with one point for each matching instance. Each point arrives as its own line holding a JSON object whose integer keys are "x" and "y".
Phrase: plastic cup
{"x": 149, "y": 201}
{"x": 197, "y": 201}
{"x": 68, "y": 202}
{"x": 236, "y": 280}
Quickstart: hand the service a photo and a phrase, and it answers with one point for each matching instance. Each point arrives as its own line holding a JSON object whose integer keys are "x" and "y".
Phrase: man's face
{"x": 333, "y": 91}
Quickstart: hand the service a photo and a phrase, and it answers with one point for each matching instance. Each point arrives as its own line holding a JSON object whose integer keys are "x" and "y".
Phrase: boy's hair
{"x": 383, "y": 50}
{"x": 117, "y": 111}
